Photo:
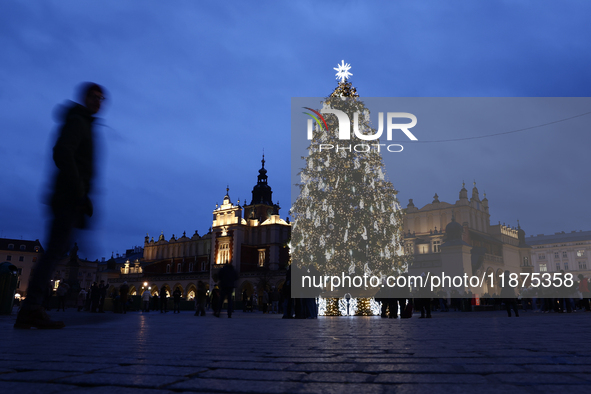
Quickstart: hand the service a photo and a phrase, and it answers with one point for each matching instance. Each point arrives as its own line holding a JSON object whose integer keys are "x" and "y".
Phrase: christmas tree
{"x": 346, "y": 218}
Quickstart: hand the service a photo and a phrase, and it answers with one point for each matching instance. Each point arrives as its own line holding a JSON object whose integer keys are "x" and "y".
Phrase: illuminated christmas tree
{"x": 347, "y": 217}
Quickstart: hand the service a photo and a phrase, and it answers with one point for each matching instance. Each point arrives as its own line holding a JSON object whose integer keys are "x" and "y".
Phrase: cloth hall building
{"x": 252, "y": 237}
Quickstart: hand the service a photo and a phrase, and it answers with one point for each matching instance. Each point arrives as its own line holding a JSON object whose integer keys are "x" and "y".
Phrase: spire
{"x": 261, "y": 193}
{"x": 475, "y": 195}
{"x": 435, "y": 198}
{"x": 463, "y": 192}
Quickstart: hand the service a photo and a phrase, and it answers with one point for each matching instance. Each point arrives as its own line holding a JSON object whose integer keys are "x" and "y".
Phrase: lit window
{"x": 581, "y": 253}
{"x": 423, "y": 249}
{"x": 224, "y": 254}
{"x": 543, "y": 268}
{"x": 436, "y": 246}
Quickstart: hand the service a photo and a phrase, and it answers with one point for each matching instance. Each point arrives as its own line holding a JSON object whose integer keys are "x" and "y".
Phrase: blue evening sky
{"x": 197, "y": 90}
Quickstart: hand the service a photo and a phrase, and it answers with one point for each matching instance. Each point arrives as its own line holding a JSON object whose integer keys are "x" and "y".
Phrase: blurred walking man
{"x": 73, "y": 155}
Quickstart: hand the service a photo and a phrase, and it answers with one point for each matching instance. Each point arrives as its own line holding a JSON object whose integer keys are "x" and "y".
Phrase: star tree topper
{"x": 343, "y": 71}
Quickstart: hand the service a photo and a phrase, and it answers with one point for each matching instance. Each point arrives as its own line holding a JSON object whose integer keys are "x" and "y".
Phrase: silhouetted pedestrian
{"x": 103, "y": 287}
{"x": 201, "y": 298}
{"x": 163, "y": 300}
{"x": 73, "y": 155}
{"x": 123, "y": 291}
{"x": 94, "y": 297}
{"x": 176, "y": 295}
{"x": 228, "y": 277}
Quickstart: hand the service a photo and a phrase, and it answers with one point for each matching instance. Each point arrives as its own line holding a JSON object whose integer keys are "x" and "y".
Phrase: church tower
{"x": 261, "y": 206}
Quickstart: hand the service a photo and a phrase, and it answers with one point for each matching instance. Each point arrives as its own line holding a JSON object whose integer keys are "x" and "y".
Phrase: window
{"x": 203, "y": 266}
{"x": 34, "y": 259}
{"x": 543, "y": 268}
{"x": 525, "y": 261}
{"x": 20, "y": 271}
{"x": 23, "y": 247}
{"x": 36, "y": 249}
{"x": 168, "y": 268}
{"x": 556, "y": 255}
{"x": 21, "y": 258}
{"x": 261, "y": 257}
{"x": 557, "y": 267}
{"x": 224, "y": 253}
{"x": 190, "y": 267}
{"x": 436, "y": 246}
{"x": 179, "y": 267}
{"x": 542, "y": 256}
{"x": 566, "y": 266}
{"x": 423, "y": 249}
{"x": 9, "y": 258}
{"x": 582, "y": 265}
{"x": 564, "y": 256}
{"x": 581, "y": 253}
{"x": 10, "y": 246}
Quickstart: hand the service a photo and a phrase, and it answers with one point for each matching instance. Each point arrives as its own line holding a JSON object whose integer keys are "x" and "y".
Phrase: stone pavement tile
{"x": 252, "y": 375}
{"x": 235, "y": 386}
{"x": 585, "y": 376}
{"x": 415, "y": 368}
{"x": 34, "y": 388}
{"x": 430, "y": 378}
{"x": 462, "y": 389}
{"x": 493, "y": 368}
{"x": 154, "y": 370}
{"x": 335, "y": 377}
{"x": 557, "y": 389}
{"x": 98, "y": 379}
{"x": 339, "y": 388}
{"x": 535, "y": 378}
{"x": 63, "y": 366}
{"x": 269, "y": 366}
{"x": 36, "y": 376}
{"x": 326, "y": 367}
{"x": 557, "y": 368}
{"x": 118, "y": 390}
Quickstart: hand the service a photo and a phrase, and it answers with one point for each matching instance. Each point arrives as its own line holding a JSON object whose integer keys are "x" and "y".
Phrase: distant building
{"x": 458, "y": 238}
{"x": 24, "y": 255}
{"x": 252, "y": 237}
{"x": 570, "y": 252}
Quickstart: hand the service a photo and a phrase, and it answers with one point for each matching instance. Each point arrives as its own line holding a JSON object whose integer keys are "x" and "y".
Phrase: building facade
{"x": 570, "y": 252}
{"x": 458, "y": 239}
{"x": 23, "y": 255}
{"x": 252, "y": 237}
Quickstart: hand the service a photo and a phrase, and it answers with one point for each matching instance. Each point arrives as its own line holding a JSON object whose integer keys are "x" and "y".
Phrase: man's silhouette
{"x": 73, "y": 155}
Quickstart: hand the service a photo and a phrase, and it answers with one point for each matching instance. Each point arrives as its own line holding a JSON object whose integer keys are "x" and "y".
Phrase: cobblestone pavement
{"x": 483, "y": 352}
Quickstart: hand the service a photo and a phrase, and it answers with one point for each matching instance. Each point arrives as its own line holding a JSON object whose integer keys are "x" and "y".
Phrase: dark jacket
{"x": 228, "y": 276}
{"x": 73, "y": 155}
